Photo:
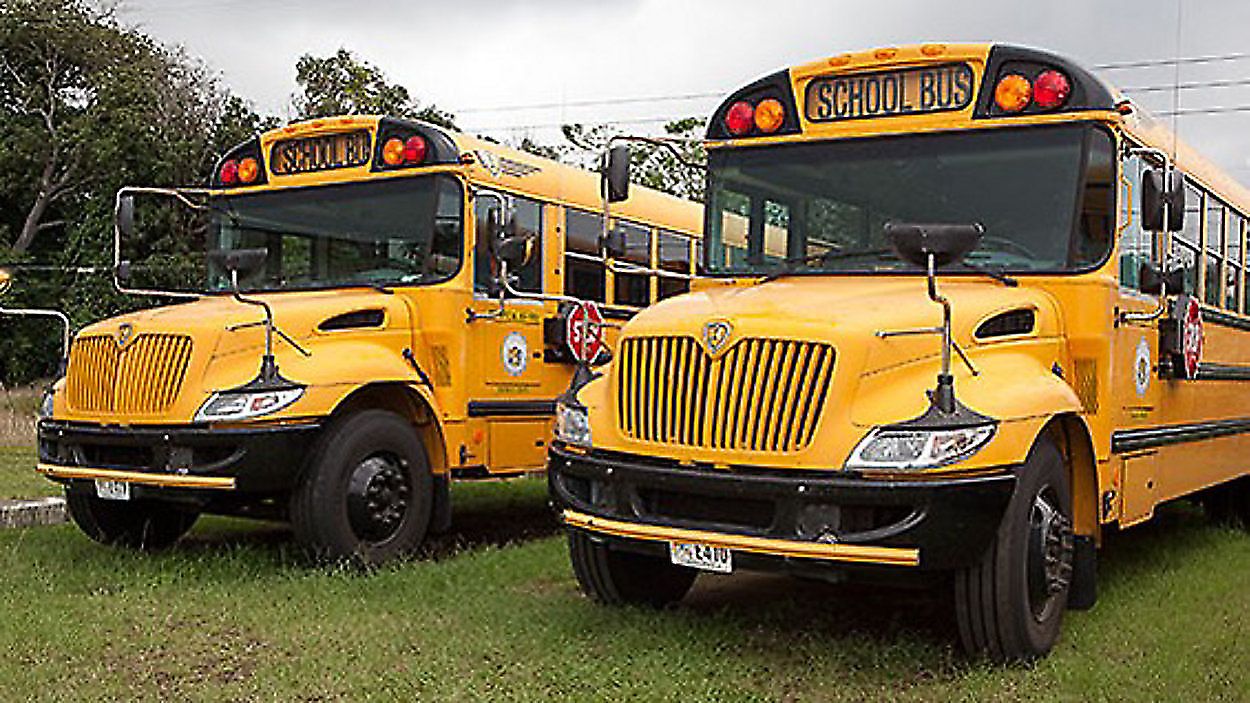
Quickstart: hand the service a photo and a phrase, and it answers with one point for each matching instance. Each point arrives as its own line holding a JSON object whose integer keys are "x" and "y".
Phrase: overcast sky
{"x": 473, "y": 57}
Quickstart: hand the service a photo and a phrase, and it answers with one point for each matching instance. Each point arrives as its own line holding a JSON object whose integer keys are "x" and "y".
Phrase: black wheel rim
{"x": 1049, "y": 555}
{"x": 378, "y": 497}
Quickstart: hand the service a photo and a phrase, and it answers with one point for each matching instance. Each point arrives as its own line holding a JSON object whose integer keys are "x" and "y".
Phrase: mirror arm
{"x": 1158, "y": 312}
{"x": 665, "y": 143}
{"x": 35, "y": 312}
{"x": 177, "y": 193}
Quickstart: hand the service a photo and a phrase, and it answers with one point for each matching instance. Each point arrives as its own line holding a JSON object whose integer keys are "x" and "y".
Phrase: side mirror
{"x": 122, "y": 271}
{"x": 515, "y": 251}
{"x": 614, "y": 244}
{"x": 125, "y": 215}
{"x": 616, "y": 174}
{"x": 1151, "y": 279}
{"x": 947, "y": 243}
{"x": 239, "y": 262}
{"x": 1157, "y": 195}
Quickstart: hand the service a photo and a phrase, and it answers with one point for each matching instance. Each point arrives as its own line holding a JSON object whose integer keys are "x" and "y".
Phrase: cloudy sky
{"x": 482, "y": 59}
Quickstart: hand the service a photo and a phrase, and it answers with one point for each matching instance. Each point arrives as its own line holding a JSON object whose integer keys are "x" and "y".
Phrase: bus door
{"x": 511, "y": 388}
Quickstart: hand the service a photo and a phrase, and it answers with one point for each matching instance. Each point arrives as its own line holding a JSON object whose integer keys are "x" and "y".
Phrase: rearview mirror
{"x": 239, "y": 262}
{"x": 947, "y": 243}
{"x": 515, "y": 251}
{"x": 122, "y": 271}
{"x": 1151, "y": 279}
{"x": 613, "y": 244}
{"x": 125, "y": 215}
{"x": 616, "y": 174}
{"x": 1157, "y": 195}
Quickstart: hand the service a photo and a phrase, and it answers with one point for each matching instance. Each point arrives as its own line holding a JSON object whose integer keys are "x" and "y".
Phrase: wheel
{"x": 1228, "y": 504}
{"x": 620, "y": 578}
{"x": 1010, "y": 605}
{"x": 366, "y": 495}
{"x": 139, "y": 524}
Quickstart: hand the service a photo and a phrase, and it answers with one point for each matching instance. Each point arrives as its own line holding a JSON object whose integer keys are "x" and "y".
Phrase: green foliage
{"x": 341, "y": 84}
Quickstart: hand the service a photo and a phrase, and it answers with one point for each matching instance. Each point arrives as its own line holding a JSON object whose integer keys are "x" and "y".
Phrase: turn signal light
{"x": 229, "y": 174}
{"x": 769, "y": 115}
{"x": 1051, "y": 89}
{"x": 393, "y": 151}
{"x": 1013, "y": 93}
{"x": 740, "y": 118}
{"x": 248, "y": 170}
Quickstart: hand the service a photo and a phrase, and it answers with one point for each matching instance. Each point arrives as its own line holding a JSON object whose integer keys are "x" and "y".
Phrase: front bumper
{"x": 261, "y": 460}
{"x": 774, "y": 517}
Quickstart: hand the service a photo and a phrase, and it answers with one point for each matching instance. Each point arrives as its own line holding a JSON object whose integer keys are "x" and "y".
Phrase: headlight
{"x": 45, "y": 405}
{"x": 887, "y": 448}
{"x": 572, "y": 424}
{"x": 241, "y": 405}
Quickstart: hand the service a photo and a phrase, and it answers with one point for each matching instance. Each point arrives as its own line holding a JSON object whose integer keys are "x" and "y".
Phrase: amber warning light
{"x": 1014, "y": 92}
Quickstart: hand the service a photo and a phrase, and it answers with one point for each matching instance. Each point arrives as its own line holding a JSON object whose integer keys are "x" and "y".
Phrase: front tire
{"x": 624, "y": 578}
{"x": 1009, "y": 606}
{"x": 366, "y": 495}
{"x": 138, "y": 524}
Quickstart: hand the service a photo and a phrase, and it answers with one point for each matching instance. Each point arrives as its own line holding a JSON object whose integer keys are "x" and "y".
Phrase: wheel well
{"x": 407, "y": 403}
{"x": 1073, "y": 439}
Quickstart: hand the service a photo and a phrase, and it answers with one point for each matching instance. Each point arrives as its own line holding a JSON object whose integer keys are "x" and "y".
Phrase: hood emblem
{"x": 124, "y": 333}
{"x": 716, "y": 336}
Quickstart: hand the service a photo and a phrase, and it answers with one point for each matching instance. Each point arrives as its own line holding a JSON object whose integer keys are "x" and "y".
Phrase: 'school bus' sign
{"x": 321, "y": 152}
{"x": 885, "y": 93}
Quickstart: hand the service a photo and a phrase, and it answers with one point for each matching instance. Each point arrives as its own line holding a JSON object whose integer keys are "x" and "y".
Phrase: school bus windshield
{"x": 402, "y": 231}
{"x": 821, "y": 207}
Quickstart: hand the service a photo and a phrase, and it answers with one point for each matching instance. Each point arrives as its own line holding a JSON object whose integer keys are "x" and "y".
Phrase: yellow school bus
{"x": 966, "y": 308}
{"x": 356, "y": 346}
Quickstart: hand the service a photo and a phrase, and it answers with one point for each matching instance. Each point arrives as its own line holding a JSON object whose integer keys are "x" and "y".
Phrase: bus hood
{"x": 848, "y": 312}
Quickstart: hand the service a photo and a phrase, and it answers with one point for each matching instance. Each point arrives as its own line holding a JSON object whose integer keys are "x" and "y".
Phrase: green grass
{"x": 17, "y": 475}
{"x": 492, "y": 613}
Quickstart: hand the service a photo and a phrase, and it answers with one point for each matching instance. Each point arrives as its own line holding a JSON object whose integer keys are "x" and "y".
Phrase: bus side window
{"x": 585, "y": 275}
{"x": 673, "y": 254}
{"x": 634, "y": 288}
{"x": 526, "y": 220}
{"x": 1212, "y": 294}
{"x": 1233, "y": 279}
{"x": 1185, "y": 244}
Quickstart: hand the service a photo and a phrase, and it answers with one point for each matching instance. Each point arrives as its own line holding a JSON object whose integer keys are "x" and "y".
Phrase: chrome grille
{"x": 142, "y": 378}
{"x": 761, "y": 395}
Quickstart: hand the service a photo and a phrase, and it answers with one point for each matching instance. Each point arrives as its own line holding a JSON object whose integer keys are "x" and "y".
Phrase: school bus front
{"x": 803, "y": 413}
{"x": 353, "y": 350}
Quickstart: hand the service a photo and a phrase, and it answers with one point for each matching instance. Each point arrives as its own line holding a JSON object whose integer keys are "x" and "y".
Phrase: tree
{"x": 651, "y": 165}
{"x": 341, "y": 84}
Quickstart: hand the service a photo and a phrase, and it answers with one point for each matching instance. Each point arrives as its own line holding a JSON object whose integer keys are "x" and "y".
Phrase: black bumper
{"x": 950, "y": 521}
{"x": 260, "y": 460}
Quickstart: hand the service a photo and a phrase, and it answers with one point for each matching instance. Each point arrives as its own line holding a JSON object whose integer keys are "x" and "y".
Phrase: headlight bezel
{"x": 246, "y": 404}
{"x": 935, "y": 447}
{"x": 572, "y": 424}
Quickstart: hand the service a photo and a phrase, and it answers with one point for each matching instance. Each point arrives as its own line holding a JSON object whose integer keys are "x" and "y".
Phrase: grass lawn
{"x": 17, "y": 474}
{"x": 232, "y": 614}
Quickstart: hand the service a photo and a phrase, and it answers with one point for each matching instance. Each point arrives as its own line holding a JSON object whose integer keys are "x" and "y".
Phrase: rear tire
{"x": 1009, "y": 606}
{"x": 366, "y": 495}
{"x": 624, "y": 578}
{"x": 1229, "y": 504}
{"x": 138, "y": 524}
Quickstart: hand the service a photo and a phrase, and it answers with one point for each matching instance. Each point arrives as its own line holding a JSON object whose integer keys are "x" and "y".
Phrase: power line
{"x": 595, "y": 103}
{"x": 1170, "y": 62}
{"x": 1189, "y": 86}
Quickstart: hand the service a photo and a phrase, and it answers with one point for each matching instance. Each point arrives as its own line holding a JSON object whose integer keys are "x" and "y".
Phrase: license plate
{"x": 112, "y": 490}
{"x": 701, "y": 556}
{"x": 885, "y": 93}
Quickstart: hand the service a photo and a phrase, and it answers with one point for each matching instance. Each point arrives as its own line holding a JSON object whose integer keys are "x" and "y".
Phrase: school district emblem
{"x": 1141, "y": 368}
{"x": 515, "y": 353}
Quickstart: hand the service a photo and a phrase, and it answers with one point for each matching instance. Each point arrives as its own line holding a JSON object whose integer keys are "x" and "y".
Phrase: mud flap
{"x": 1084, "y": 590}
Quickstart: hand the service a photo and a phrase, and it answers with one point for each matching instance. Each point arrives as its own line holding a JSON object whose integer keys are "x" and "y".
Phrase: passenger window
{"x": 1097, "y": 204}
{"x": 1185, "y": 242}
{"x": 1212, "y": 294}
{"x": 526, "y": 220}
{"x": 673, "y": 252}
{"x": 585, "y": 275}
{"x": 1135, "y": 243}
{"x": 1234, "y": 264}
{"x": 634, "y": 288}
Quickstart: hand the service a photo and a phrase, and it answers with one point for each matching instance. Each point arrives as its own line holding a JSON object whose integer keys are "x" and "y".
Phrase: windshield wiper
{"x": 995, "y": 274}
{"x": 790, "y": 265}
